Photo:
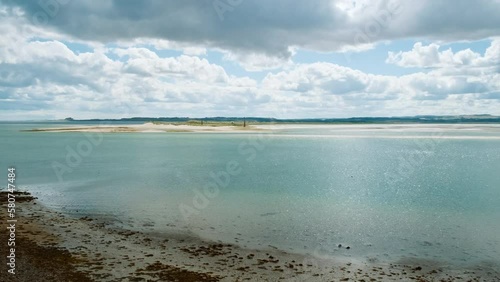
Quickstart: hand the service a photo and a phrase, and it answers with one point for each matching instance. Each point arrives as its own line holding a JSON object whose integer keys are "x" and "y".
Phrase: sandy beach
{"x": 153, "y": 128}
{"x": 334, "y": 129}
{"x": 56, "y": 247}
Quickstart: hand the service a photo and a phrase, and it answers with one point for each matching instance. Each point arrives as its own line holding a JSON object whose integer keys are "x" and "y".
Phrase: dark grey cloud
{"x": 457, "y": 19}
{"x": 263, "y": 26}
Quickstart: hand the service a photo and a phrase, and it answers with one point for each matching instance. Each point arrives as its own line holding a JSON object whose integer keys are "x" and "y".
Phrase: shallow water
{"x": 387, "y": 192}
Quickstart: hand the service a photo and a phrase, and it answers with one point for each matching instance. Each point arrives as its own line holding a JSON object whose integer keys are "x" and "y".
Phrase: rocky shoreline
{"x": 56, "y": 247}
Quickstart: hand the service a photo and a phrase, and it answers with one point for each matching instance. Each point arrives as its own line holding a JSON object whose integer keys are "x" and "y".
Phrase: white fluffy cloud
{"x": 136, "y": 81}
{"x": 146, "y": 62}
{"x": 431, "y": 57}
{"x": 43, "y": 76}
{"x": 255, "y": 62}
{"x": 320, "y": 78}
{"x": 479, "y": 80}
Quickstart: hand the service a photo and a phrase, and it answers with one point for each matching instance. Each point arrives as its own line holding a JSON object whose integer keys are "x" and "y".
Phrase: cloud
{"x": 440, "y": 83}
{"x": 46, "y": 78}
{"x": 133, "y": 65}
{"x": 255, "y": 62}
{"x": 142, "y": 61}
{"x": 327, "y": 79}
{"x": 452, "y": 73}
{"x": 266, "y": 27}
{"x": 431, "y": 57}
{"x": 137, "y": 81}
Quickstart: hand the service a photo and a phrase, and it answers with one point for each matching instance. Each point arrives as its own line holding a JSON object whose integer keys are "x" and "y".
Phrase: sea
{"x": 370, "y": 193}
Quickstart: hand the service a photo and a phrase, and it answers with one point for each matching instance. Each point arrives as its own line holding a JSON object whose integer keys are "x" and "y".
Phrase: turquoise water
{"x": 388, "y": 193}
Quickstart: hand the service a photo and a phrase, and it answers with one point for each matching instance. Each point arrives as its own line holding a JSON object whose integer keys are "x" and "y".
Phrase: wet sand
{"x": 56, "y": 247}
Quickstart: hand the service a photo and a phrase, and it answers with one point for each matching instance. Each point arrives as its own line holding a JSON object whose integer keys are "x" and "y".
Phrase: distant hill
{"x": 353, "y": 120}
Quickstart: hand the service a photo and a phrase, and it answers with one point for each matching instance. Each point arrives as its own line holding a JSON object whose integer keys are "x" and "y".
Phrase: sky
{"x": 261, "y": 58}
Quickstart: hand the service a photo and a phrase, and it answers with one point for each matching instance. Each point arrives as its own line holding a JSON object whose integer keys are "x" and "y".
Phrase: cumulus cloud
{"x": 153, "y": 58}
{"x": 326, "y": 78}
{"x": 256, "y": 61}
{"x": 267, "y": 27}
{"x": 431, "y": 57}
{"x": 146, "y": 62}
{"x": 440, "y": 83}
{"x": 45, "y": 77}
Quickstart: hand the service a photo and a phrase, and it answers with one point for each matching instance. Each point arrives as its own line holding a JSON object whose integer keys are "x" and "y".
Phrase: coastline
{"x": 153, "y": 128}
{"x": 87, "y": 249}
{"x": 150, "y": 127}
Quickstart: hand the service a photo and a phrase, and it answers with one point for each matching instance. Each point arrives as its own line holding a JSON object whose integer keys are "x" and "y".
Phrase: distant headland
{"x": 483, "y": 118}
